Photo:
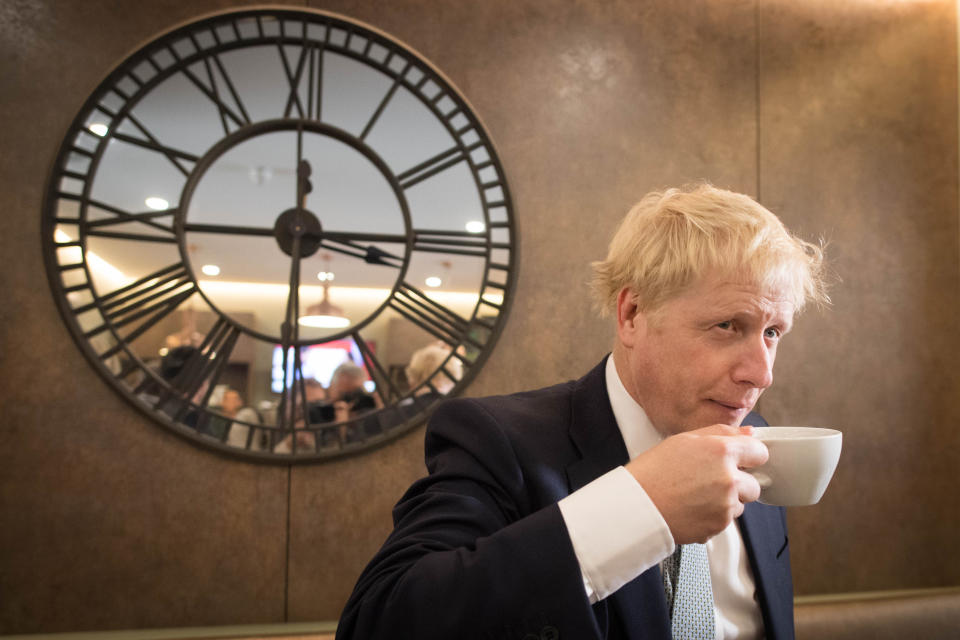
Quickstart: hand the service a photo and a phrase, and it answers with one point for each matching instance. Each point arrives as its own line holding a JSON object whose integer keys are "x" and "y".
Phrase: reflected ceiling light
{"x": 324, "y": 314}
{"x": 157, "y": 204}
{"x": 476, "y": 226}
{"x": 260, "y": 175}
{"x": 433, "y": 281}
{"x": 210, "y": 270}
{"x": 323, "y": 321}
{"x": 99, "y": 129}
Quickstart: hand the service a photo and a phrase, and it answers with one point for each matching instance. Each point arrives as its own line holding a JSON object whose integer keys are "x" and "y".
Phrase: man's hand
{"x": 696, "y": 479}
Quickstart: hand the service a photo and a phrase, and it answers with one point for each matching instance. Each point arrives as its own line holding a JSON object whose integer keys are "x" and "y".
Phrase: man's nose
{"x": 755, "y": 363}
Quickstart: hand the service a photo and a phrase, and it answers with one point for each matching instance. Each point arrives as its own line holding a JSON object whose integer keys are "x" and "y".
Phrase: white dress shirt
{"x": 618, "y": 533}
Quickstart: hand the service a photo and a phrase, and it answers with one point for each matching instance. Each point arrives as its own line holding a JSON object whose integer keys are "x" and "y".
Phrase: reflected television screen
{"x": 319, "y": 362}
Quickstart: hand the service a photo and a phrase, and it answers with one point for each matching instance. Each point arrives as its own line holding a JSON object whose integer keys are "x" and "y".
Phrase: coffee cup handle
{"x": 764, "y": 480}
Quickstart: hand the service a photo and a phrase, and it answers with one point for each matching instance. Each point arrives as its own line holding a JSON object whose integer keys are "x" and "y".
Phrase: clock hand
{"x": 370, "y": 254}
{"x": 304, "y": 186}
{"x": 289, "y": 332}
{"x": 228, "y": 229}
{"x": 346, "y": 237}
{"x": 303, "y": 171}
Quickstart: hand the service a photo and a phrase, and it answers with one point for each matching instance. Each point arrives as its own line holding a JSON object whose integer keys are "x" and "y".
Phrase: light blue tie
{"x": 686, "y": 583}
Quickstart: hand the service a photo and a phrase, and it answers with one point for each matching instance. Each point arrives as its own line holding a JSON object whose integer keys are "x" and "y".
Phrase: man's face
{"x": 231, "y": 402}
{"x": 705, "y": 356}
{"x": 344, "y": 384}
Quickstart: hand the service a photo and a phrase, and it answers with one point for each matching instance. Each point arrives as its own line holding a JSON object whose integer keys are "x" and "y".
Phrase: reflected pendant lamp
{"x": 324, "y": 314}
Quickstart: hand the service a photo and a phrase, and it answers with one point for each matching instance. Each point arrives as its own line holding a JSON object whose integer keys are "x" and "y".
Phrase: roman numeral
{"x": 221, "y": 106}
{"x": 141, "y": 304}
{"x": 461, "y": 243}
{"x": 383, "y": 103}
{"x": 206, "y": 365}
{"x": 128, "y": 368}
{"x": 286, "y": 411}
{"x": 431, "y": 316}
{"x": 211, "y": 89}
{"x": 431, "y": 167}
{"x": 438, "y": 163}
{"x": 309, "y": 67}
{"x": 149, "y": 141}
{"x": 388, "y": 391}
{"x": 107, "y": 227}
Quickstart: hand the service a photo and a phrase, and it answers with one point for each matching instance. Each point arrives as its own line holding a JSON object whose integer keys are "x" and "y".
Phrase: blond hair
{"x": 425, "y": 364}
{"x": 672, "y": 239}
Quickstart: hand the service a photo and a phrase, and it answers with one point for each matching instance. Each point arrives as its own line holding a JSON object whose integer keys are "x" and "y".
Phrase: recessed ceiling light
{"x": 99, "y": 129}
{"x": 434, "y": 281}
{"x": 157, "y": 204}
{"x": 210, "y": 269}
{"x": 476, "y": 226}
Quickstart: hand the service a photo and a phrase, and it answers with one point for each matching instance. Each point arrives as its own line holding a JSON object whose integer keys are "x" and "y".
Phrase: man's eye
{"x": 772, "y": 333}
{"x": 725, "y": 325}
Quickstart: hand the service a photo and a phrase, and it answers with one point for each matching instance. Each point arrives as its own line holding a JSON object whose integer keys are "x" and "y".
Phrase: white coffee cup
{"x": 801, "y": 464}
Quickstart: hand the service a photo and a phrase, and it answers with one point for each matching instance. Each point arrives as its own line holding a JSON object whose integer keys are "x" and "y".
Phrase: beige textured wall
{"x": 842, "y": 117}
{"x": 858, "y": 142}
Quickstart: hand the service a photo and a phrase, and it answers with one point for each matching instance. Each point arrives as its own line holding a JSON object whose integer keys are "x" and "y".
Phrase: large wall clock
{"x": 284, "y": 210}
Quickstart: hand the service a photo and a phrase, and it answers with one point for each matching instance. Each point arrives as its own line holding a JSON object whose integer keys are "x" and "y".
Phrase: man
{"x": 231, "y": 402}
{"x": 345, "y": 398}
{"x": 557, "y": 513}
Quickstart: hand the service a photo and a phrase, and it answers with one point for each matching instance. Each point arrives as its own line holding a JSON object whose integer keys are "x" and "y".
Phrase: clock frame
{"x": 149, "y": 109}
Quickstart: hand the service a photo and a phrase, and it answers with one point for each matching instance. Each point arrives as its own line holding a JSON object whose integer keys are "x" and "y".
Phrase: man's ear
{"x": 629, "y": 317}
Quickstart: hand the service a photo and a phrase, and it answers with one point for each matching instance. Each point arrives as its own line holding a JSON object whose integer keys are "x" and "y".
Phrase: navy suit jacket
{"x": 480, "y": 549}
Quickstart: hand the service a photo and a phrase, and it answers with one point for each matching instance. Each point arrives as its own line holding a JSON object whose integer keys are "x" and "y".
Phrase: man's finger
{"x": 752, "y": 452}
{"x": 748, "y": 488}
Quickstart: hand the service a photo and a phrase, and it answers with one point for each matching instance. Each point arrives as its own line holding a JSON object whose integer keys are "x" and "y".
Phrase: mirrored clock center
{"x": 280, "y": 186}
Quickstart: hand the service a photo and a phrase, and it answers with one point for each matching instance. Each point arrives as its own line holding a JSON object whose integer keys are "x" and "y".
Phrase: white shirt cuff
{"x": 616, "y": 531}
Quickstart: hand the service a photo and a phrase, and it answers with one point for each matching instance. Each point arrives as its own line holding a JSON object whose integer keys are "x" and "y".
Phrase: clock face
{"x": 280, "y": 233}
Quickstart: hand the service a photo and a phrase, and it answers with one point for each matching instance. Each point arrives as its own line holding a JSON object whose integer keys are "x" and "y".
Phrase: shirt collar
{"x": 637, "y": 431}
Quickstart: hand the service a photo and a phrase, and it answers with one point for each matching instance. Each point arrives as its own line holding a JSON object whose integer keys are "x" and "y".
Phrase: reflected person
{"x": 427, "y": 383}
{"x": 423, "y": 372}
{"x": 560, "y": 512}
{"x": 242, "y": 416}
{"x": 346, "y": 399}
{"x": 346, "y": 387}
{"x": 171, "y": 370}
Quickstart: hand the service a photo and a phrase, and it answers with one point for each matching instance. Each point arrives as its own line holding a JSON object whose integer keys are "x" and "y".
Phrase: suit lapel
{"x": 639, "y": 608}
{"x": 593, "y": 430}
